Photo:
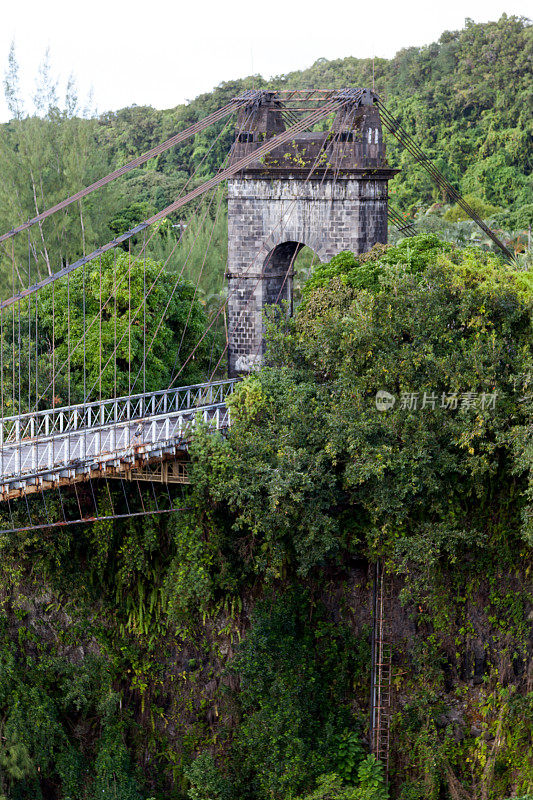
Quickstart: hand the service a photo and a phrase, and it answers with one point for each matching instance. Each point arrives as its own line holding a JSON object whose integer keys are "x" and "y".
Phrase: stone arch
{"x": 278, "y": 270}
{"x": 291, "y": 235}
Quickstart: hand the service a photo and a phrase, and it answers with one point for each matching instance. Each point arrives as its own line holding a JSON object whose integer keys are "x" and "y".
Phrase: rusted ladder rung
{"x": 382, "y": 666}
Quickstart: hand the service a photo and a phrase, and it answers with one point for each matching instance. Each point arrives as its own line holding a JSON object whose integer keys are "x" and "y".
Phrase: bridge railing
{"x": 99, "y": 413}
{"x": 115, "y": 441}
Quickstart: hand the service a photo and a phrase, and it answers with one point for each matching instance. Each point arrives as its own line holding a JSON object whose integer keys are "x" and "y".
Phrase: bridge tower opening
{"x": 324, "y": 189}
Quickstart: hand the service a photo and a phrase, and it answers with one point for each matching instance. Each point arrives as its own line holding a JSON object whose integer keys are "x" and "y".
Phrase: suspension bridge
{"x": 304, "y": 168}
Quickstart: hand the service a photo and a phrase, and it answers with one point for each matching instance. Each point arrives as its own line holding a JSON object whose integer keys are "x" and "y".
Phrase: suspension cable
{"x": 394, "y": 126}
{"x": 136, "y": 162}
{"x": 228, "y": 157}
{"x": 269, "y": 145}
{"x": 86, "y": 328}
{"x": 399, "y": 223}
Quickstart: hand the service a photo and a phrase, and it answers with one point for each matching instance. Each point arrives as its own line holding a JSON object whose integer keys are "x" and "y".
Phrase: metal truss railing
{"x": 37, "y": 460}
{"x": 97, "y": 414}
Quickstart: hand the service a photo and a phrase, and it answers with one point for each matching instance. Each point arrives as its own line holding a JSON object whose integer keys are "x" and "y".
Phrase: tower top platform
{"x": 351, "y": 145}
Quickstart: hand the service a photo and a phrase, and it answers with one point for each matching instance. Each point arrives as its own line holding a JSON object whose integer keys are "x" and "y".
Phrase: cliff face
{"x": 278, "y": 680}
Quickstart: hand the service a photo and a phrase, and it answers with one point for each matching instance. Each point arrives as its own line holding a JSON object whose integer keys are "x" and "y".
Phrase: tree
{"x": 128, "y": 218}
{"x": 313, "y": 467}
{"x": 46, "y": 156}
{"x": 96, "y": 337}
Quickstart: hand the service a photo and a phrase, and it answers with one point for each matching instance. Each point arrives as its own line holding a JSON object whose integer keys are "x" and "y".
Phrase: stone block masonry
{"x": 270, "y": 218}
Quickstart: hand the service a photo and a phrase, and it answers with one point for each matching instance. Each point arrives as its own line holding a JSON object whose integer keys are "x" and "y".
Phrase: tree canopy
{"x": 85, "y": 337}
{"x": 314, "y": 466}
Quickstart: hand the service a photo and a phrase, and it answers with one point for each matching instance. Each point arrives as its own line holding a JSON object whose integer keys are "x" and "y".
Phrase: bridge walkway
{"x": 109, "y": 437}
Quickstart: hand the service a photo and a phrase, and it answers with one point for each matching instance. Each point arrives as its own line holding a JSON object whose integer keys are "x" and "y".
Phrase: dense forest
{"x": 222, "y": 652}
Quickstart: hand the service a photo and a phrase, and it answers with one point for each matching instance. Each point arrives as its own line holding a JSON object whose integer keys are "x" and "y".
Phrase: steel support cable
{"x": 94, "y": 497}
{"x": 36, "y": 347}
{"x": 96, "y": 319}
{"x": 396, "y": 216}
{"x": 110, "y": 245}
{"x": 406, "y": 140}
{"x": 77, "y": 498}
{"x": 129, "y": 329}
{"x": 394, "y": 126}
{"x": 87, "y": 520}
{"x": 133, "y": 317}
{"x": 192, "y": 130}
{"x": 228, "y": 156}
{"x": 45, "y": 507}
{"x": 244, "y": 124}
{"x": 2, "y": 389}
{"x": 289, "y": 116}
{"x": 143, "y": 252}
{"x": 115, "y": 292}
{"x": 144, "y": 326}
{"x": 264, "y": 149}
{"x": 118, "y": 284}
{"x": 242, "y": 127}
{"x": 13, "y": 332}
{"x": 176, "y": 286}
{"x": 146, "y": 294}
{"x": 410, "y": 144}
{"x": 19, "y": 337}
{"x": 136, "y": 162}
{"x": 407, "y": 230}
{"x": 204, "y": 260}
{"x": 29, "y": 328}
{"x": 398, "y": 221}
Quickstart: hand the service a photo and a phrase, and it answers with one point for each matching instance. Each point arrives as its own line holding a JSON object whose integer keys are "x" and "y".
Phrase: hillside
{"x": 467, "y": 99}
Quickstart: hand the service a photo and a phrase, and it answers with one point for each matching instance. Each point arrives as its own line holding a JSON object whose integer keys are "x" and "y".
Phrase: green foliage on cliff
{"x": 313, "y": 467}
{"x": 166, "y": 328}
{"x": 314, "y": 473}
{"x": 218, "y": 653}
{"x": 41, "y": 696}
{"x": 295, "y": 669}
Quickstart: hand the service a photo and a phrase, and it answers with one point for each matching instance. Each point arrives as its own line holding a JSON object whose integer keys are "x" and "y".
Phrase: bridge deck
{"x": 76, "y": 442}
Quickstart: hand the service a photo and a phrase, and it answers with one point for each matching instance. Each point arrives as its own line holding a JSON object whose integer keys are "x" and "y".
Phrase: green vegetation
{"x": 92, "y": 356}
{"x": 169, "y": 339}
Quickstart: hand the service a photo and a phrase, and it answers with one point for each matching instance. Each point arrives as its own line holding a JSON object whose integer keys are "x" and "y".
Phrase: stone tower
{"x": 328, "y": 191}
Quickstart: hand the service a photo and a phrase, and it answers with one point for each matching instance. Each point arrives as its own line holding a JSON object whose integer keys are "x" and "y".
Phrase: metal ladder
{"x": 381, "y": 678}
